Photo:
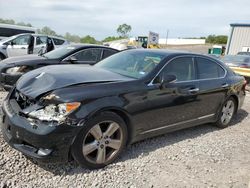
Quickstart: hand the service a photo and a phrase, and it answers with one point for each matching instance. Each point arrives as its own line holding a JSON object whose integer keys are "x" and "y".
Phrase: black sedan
{"x": 13, "y": 68}
{"x": 92, "y": 112}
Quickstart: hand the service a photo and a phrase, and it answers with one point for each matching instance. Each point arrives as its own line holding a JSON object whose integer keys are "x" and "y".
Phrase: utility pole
{"x": 167, "y": 38}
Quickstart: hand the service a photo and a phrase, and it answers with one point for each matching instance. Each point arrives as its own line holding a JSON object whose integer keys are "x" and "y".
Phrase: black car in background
{"x": 11, "y": 69}
{"x": 93, "y": 112}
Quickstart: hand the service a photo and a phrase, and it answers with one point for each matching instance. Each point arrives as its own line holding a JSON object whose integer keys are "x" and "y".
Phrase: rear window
{"x": 58, "y": 41}
{"x": 208, "y": 69}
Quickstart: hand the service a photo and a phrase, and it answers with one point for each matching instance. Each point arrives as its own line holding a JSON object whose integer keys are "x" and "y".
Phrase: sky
{"x": 100, "y": 18}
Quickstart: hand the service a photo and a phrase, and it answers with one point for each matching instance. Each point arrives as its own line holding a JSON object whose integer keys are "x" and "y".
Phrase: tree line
{"x": 122, "y": 30}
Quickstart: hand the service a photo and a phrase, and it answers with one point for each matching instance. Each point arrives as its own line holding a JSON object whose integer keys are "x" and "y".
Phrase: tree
{"x": 123, "y": 30}
{"x": 47, "y": 31}
{"x": 219, "y": 39}
{"x": 88, "y": 39}
{"x": 72, "y": 38}
{"x": 10, "y": 21}
{"x": 112, "y": 38}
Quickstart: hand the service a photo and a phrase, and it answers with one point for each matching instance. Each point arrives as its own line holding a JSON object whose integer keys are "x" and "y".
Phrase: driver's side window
{"x": 182, "y": 68}
{"x": 21, "y": 40}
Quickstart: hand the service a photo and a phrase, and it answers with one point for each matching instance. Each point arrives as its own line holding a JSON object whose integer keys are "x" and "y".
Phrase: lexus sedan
{"x": 91, "y": 113}
{"x": 11, "y": 69}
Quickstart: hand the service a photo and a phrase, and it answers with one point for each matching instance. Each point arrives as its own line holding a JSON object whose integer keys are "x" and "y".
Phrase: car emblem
{"x": 40, "y": 75}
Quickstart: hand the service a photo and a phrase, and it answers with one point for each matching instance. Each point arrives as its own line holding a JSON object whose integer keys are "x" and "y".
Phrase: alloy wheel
{"x": 227, "y": 112}
{"x": 102, "y": 142}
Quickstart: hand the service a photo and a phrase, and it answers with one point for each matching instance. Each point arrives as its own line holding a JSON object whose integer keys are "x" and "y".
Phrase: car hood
{"x": 43, "y": 80}
{"x": 20, "y": 59}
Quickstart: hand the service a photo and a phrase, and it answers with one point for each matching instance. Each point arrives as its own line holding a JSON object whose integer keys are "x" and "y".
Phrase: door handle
{"x": 194, "y": 90}
{"x": 23, "y": 48}
{"x": 225, "y": 85}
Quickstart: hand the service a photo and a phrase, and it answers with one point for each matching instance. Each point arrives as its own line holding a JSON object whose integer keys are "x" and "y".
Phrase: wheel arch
{"x": 235, "y": 97}
{"x": 123, "y": 114}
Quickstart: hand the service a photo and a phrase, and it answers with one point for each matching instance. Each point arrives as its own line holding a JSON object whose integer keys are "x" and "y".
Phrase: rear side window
{"x": 58, "y": 41}
{"x": 90, "y": 55}
{"x": 107, "y": 53}
{"x": 208, "y": 69}
{"x": 182, "y": 68}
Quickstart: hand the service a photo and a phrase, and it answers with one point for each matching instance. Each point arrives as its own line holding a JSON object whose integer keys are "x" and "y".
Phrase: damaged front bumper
{"x": 39, "y": 140}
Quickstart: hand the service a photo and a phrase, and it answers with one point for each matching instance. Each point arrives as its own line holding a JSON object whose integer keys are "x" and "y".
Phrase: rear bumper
{"x": 45, "y": 143}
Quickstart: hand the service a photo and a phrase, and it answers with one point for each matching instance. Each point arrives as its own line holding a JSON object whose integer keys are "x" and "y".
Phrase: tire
{"x": 226, "y": 113}
{"x": 101, "y": 141}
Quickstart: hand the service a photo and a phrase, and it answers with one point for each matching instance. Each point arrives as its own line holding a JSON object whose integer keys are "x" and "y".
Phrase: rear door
{"x": 40, "y": 44}
{"x": 213, "y": 85}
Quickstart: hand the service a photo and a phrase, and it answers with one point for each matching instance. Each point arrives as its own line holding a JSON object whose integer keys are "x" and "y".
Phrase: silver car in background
{"x": 27, "y": 43}
{"x": 242, "y": 61}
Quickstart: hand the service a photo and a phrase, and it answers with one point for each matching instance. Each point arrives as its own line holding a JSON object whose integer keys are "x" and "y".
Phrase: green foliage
{"x": 10, "y": 21}
{"x": 72, "y": 38}
{"x": 123, "y": 30}
{"x": 88, "y": 39}
{"x": 47, "y": 31}
{"x": 219, "y": 39}
{"x": 112, "y": 38}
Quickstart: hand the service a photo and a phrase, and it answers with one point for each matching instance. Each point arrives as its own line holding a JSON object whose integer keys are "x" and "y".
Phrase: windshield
{"x": 235, "y": 59}
{"x": 59, "y": 52}
{"x": 7, "y": 39}
{"x": 131, "y": 63}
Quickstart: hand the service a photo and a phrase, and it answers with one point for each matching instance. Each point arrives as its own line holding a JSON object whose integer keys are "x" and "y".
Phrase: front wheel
{"x": 101, "y": 141}
{"x": 227, "y": 112}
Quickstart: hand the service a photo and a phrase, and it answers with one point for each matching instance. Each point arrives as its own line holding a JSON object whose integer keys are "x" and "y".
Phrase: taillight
{"x": 244, "y": 85}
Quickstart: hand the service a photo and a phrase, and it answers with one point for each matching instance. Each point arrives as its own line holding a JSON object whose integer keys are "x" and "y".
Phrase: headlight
{"x": 17, "y": 70}
{"x": 54, "y": 112}
{"x": 12, "y": 70}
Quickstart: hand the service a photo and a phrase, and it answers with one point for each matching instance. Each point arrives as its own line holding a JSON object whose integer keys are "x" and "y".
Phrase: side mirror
{"x": 12, "y": 43}
{"x": 6, "y": 43}
{"x": 167, "y": 78}
{"x": 72, "y": 59}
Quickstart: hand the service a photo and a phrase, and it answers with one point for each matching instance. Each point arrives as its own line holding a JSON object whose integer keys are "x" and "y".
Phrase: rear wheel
{"x": 101, "y": 141}
{"x": 227, "y": 112}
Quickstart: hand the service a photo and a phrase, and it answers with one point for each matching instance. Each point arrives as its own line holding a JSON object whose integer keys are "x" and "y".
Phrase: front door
{"x": 177, "y": 101}
{"x": 18, "y": 46}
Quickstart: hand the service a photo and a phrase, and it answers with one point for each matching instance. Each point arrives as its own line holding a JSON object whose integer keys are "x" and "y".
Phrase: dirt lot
{"x": 203, "y": 156}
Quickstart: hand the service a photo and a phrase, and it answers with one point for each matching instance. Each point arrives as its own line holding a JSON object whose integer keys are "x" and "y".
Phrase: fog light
{"x": 44, "y": 152}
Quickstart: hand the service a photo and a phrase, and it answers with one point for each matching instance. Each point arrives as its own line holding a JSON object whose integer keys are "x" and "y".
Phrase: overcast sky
{"x": 100, "y": 18}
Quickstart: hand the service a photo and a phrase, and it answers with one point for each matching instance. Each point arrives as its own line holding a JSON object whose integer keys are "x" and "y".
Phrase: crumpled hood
{"x": 45, "y": 79}
{"x": 18, "y": 59}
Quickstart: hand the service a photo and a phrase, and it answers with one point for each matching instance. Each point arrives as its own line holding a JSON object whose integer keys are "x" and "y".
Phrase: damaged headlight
{"x": 18, "y": 70}
{"x": 54, "y": 112}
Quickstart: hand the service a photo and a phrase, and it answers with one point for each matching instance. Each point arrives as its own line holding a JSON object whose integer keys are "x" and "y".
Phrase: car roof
{"x": 84, "y": 45}
{"x": 34, "y": 34}
{"x": 167, "y": 52}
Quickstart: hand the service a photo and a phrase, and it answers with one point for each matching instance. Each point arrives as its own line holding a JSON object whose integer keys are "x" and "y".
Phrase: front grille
{"x": 23, "y": 100}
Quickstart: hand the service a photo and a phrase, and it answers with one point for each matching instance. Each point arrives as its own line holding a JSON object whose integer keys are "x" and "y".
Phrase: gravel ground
{"x": 203, "y": 156}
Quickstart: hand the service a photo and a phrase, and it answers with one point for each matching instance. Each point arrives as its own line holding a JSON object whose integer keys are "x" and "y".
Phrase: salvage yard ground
{"x": 203, "y": 156}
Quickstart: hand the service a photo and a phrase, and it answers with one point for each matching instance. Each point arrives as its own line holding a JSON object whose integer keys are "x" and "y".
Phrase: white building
{"x": 239, "y": 39}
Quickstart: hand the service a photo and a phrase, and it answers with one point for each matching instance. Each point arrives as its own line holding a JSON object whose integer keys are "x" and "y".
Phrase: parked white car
{"x": 27, "y": 43}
